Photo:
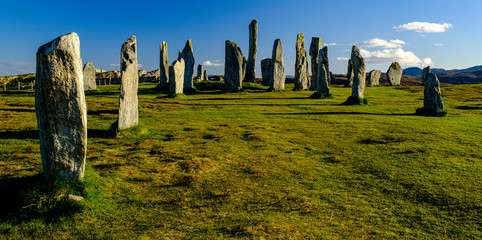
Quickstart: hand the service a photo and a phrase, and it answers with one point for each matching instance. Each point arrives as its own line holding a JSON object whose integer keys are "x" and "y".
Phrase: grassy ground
{"x": 254, "y": 164}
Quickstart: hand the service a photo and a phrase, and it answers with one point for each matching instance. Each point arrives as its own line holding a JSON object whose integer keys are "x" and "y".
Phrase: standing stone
{"x": 349, "y": 73}
{"x": 188, "y": 56}
{"x": 265, "y": 71}
{"x": 374, "y": 77}
{"x": 359, "y": 73}
{"x": 277, "y": 68}
{"x": 128, "y": 102}
{"x": 323, "y": 74}
{"x": 425, "y": 72}
{"x": 253, "y": 48}
{"x": 205, "y": 75}
{"x": 315, "y": 47}
{"x": 432, "y": 96}
{"x": 60, "y": 108}
{"x": 163, "y": 65}
{"x": 89, "y": 76}
{"x": 394, "y": 74}
{"x": 176, "y": 77}
{"x": 234, "y": 67}
{"x": 302, "y": 73}
{"x": 200, "y": 71}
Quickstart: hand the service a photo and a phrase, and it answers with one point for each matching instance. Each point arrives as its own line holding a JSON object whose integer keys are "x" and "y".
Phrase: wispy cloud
{"x": 114, "y": 65}
{"x": 16, "y": 67}
{"x": 330, "y": 44}
{"x": 424, "y": 27}
{"x": 342, "y": 58}
{"x": 216, "y": 63}
{"x": 399, "y": 55}
{"x": 439, "y": 44}
{"x": 377, "y": 42}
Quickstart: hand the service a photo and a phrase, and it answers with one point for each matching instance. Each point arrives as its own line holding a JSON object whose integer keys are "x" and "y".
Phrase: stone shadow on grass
{"x": 343, "y": 113}
{"x": 17, "y": 109}
{"x": 34, "y": 134}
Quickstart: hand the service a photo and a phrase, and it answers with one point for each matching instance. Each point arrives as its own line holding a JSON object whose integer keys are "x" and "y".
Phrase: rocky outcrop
{"x": 188, "y": 56}
{"x": 301, "y": 64}
{"x": 234, "y": 67}
{"x": 163, "y": 65}
{"x": 176, "y": 77}
{"x": 89, "y": 76}
{"x": 128, "y": 102}
{"x": 315, "y": 48}
{"x": 432, "y": 99}
{"x": 394, "y": 74}
{"x": 359, "y": 73}
{"x": 277, "y": 74}
{"x": 60, "y": 108}
{"x": 266, "y": 71}
{"x": 253, "y": 48}
{"x": 374, "y": 77}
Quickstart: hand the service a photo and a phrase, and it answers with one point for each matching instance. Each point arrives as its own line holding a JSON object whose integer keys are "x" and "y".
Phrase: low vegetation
{"x": 253, "y": 164}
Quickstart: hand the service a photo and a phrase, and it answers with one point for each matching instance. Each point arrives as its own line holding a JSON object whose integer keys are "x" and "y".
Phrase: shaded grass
{"x": 260, "y": 164}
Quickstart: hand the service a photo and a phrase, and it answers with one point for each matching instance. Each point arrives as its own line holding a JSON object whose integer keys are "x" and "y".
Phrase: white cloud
{"x": 329, "y": 44}
{"x": 439, "y": 44}
{"x": 399, "y": 55}
{"x": 114, "y": 65}
{"x": 377, "y": 42}
{"x": 424, "y": 27}
{"x": 342, "y": 58}
{"x": 217, "y": 63}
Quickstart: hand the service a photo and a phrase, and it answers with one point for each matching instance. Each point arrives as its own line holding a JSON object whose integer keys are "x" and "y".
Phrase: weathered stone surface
{"x": 188, "y": 56}
{"x": 431, "y": 96}
{"x": 176, "y": 77}
{"x": 359, "y": 73}
{"x": 266, "y": 71}
{"x": 394, "y": 74}
{"x": 374, "y": 77}
{"x": 277, "y": 74}
{"x": 89, "y": 76}
{"x": 128, "y": 102}
{"x": 60, "y": 108}
{"x": 205, "y": 75}
{"x": 315, "y": 47}
{"x": 234, "y": 67}
{"x": 323, "y": 74}
{"x": 253, "y": 48}
{"x": 349, "y": 73}
{"x": 163, "y": 65}
{"x": 200, "y": 71}
{"x": 302, "y": 73}
{"x": 425, "y": 72}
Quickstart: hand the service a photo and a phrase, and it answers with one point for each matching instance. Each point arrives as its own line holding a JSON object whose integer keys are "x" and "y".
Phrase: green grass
{"x": 254, "y": 164}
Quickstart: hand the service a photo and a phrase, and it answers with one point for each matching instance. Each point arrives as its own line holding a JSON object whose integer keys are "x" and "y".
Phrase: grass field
{"x": 254, "y": 165}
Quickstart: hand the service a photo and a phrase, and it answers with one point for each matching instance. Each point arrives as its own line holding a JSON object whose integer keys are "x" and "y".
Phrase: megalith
{"x": 425, "y": 72}
{"x": 234, "y": 67}
{"x": 253, "y": 48}
{"x": 188, "y": 56}
{"x": 265, "y": 71}
{"x": 323, "y": 74}
{"x": 200, "y": 71}
{"x": 176, "y": 77}
{"x": 302, "y": 73}
{"x": 163, "y": 65}
{"x": 374, "y": 77}
{"x": 315, "y": 48}
{"x": 394, "y": 74}
{"x": 89, "y": 76}
{"x": 205, "y": 75}
{"x": 349, "y": 73}
{"x": 359, "y": 73}
{"x": 128, "y": 102}
{"x": 277, "y": 68}
{"x": 60, "y": 108}
{"x": 432, "y": 99}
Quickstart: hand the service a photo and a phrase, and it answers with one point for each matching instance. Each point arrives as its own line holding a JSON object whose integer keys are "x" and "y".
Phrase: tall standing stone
{"x": 188, "y": 56}
{"x": 359, "y": 73}
{"x": 277, "y": 74}
{"x": 374, "y": 77}
{"x": 323, "y": 74}
{"x": 60, "y": 108}
{"x": 234, "y": 67}
{"x": 349, "y": 73}
{"x": 253, "y": 48}
{"x": 432, "y": 96}
{"x": 425, "y": 73}
{"x": 205, "y": 75}
{"x": 266, "y": 71}
{"x": 315, "y": 47}
{"x": 176, "y": 77}
{"x": 128, "y": 102}
{"x": 200, "y": 71}
{"x": 163, "y": 65}
{"x": 89, "y": 76}
{"x": 302, "y": 73}
{"x": 394, "y": 74}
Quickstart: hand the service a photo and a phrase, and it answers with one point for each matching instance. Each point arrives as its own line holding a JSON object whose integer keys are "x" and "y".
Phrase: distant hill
{"x": 415, "y": 71}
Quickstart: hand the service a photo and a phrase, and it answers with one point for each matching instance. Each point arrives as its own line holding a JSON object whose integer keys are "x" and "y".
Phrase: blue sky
{"x": 445, "y": 34}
